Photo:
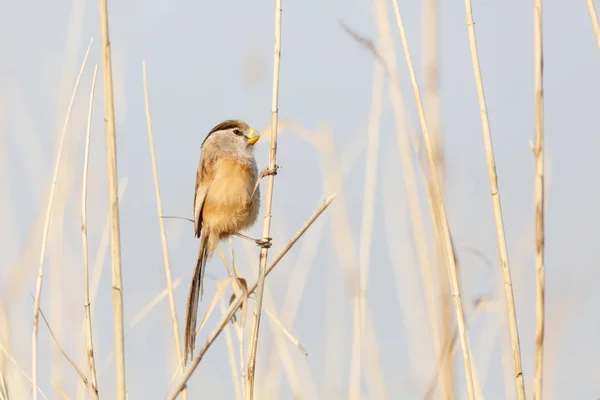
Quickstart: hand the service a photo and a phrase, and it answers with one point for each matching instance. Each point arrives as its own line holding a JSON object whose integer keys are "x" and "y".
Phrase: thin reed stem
{"x": 540, "y": 272}
{"x": 268, "y": 205}
{"x": 115, "y": 239}
{"x": 84, "y": 242}
{"x": 240, "y": 299}
{"x": 163, "y": 234}
{"x": 594, "y": 18}
{"x": 431, "y": 97}
{"x": 493, "y": 177}
{"x": 439, "y": 206}
{"x": 38, "y": 289}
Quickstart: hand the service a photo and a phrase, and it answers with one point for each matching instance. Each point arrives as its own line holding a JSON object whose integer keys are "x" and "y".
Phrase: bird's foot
{"x": 269, "y": 171}
{"x": 264, "y": 243}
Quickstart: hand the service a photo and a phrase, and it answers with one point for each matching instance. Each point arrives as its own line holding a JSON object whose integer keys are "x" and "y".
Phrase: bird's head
{"x": 232, "y": 136}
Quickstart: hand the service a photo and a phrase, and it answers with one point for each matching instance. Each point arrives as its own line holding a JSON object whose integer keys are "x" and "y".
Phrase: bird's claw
{"x": 269, "y": 171}
{"x": 264, "y": 243}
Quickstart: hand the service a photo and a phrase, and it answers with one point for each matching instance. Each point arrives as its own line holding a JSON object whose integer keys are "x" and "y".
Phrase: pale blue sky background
{"x": 198, "y": 55}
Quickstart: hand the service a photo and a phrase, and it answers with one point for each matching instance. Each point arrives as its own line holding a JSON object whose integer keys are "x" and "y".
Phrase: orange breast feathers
{"x": 228, "y": 207}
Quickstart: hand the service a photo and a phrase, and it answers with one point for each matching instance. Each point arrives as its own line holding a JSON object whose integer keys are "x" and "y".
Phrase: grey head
{"x": 232, "y": 138}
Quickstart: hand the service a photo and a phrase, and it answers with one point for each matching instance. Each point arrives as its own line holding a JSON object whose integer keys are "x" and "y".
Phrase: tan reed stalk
{"x": 239, "y": 300}
{"x": 268, "y": 205}
{"x": 163, "y": 234}
{"x": 115, "y": 239}
{"x": 439, "y": 206}
{"x": 594, "y": 18}
{"x": 370, "y": 186}
{"x": 84, "y": 241}
{"x": 502, "y": 247}
{"x": 38, "y": 289}
{"x": 540, "y": 268}
{"x": 432, "y": 107}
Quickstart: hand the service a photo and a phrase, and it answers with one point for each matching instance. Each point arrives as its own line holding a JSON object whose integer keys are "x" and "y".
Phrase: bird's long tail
{"x": 195, "y": 294}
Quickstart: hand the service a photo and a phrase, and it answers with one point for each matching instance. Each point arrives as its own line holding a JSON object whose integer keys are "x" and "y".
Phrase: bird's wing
{"x": 204, "y": 177}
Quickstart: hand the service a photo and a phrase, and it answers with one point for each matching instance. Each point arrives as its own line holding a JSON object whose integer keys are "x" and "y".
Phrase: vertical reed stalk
{"x": 115, "y": 240}
{"x": 440, "y": 211}
{"x": 163, "y": 234}
{"x": 84, "y": 241}
{"x": 268, "y": 205}
{"x": 493, "y": 177}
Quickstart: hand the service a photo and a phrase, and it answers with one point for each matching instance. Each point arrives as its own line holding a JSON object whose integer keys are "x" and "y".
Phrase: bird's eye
{"x": 237, "y": 132}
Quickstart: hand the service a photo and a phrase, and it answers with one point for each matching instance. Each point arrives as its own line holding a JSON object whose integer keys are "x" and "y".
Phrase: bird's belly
{"x": 228, "y": 207}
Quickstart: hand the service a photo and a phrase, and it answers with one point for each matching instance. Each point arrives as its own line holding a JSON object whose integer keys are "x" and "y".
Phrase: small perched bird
{"x": 226, "y": 202}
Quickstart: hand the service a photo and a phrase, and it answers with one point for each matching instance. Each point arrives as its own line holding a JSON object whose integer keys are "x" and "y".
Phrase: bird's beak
{"x": 253, "y": 136}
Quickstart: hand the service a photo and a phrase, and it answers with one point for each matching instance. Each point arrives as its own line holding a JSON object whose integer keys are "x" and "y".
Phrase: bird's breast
{"x": 228, "y": 206}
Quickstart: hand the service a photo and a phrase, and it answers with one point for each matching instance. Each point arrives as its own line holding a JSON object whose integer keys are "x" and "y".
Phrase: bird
{"x": 226, "y": 201}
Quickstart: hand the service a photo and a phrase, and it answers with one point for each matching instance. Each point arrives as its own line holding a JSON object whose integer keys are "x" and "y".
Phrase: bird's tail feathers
{"x": 195, "y": 294}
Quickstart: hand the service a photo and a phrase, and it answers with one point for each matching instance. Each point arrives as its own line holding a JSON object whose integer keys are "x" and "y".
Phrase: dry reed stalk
{"x": 115, "y": 239}
{"x": 239, "y": 300}
{"x": 364, "y": 253}
{"x": 540, "y": 268}
{"x": 163, "y": 234}
{"x": 86, "y": 272}
{"x": 594, "y": 18}
{"x": 302, "y": 388}
{"x": 432, "y": 106}
{"x": 38, "y": 290}
{"x": 493, "y": 177}
{"x": 268, "y": 205}
{"x": 440, "y": 211}
{"x": 98, "y": 265}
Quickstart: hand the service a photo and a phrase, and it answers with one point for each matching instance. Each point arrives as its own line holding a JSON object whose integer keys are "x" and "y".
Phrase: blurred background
{"x": 339, "y": 132}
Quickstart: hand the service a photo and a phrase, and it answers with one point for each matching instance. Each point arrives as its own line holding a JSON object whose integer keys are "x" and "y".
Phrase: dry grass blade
{"x": 268, "y": 205}
{"x": 115, "y": 239}
{"x": 439, "y": 208}
{"x": 495, "y": 192}
{"x": 540, "y": 272}
{"x": 594, "y": 18}
{"x": 163, "y": 235}
{"x": 239, "y": 300}
{"x": 64, "y": 353}
{"x": 86, "y": 270}
{"x": 38, "y": 289}
{"x": 287, "y": 333}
